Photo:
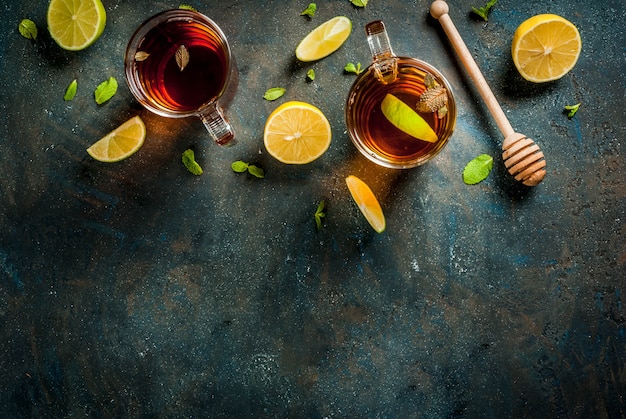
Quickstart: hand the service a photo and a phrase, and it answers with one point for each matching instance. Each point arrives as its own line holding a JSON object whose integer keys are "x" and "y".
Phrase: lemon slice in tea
{"x": 297, "y": 133}
{"x": 76, "y": 24}
{"x": 367, "y": 203}
{"x": 120, "y": 143}
{"x": 545, "y": 48}
{"x": 325, "y": 39}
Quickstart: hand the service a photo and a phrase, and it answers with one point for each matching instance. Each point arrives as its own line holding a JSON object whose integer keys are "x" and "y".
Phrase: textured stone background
{"x": 136, "y": 289}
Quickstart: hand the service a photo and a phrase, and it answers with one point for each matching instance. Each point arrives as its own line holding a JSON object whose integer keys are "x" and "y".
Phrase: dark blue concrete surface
{"x": 138, "y": 290}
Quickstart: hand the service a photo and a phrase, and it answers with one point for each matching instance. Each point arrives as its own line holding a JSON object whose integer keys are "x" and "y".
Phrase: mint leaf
{"x": 319, "y": 214}
{"x": 239, "y": 166}
{"x": 189, "y": 160}
{"x": 310, "y": 74}
{"x": 70, "y": 92}
{"x": 28, "y": 29}
{"x": 105, "y": 90}
{"x": 256, "y": 171}
{"x": 359, "y": 3}
{"x": 477, "y": 169}
{"x": 274, "y": 93}
{"x": 187, "y": 7}
{"x": 310, "y": 10}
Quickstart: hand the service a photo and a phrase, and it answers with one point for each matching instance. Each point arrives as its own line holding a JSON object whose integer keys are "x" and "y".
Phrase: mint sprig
{"x": 310, "y": 10}
{"x": 353, "y": 68}
{"x": 319, "y": 214}
{"x": 242, "y": 167}
{"x": 483, "y": 12}
{"x": 571, "y": 110}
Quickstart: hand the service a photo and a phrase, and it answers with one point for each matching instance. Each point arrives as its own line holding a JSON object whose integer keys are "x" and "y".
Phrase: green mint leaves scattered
{"x": 310, "y": 74}
{"x": 359, "y": 3}
{"x": 187, "y": 7}
{"x": 28, "y": 29}
{"x": 483, "y": 12}
{"x": 241, "y": 167}
{"x": 319, "y": 214}
{"x": 189, "y": 160}
{"x": 105, "y": 90}
{"x": 274, "y": 93}
{"x": 571, "y": 110}
{"x": 352, "y": 68}
{"x": 70, "y": 92}
{"x": 478, "y": 169}
{"x": 310, "y": 10}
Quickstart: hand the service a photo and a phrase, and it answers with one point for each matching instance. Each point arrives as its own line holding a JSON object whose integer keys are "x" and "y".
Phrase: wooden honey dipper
{"x": 522, "y": 157}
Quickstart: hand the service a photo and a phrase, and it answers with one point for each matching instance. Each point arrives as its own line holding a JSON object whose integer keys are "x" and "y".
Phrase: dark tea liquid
{"x": 381, "y": 140}
{"x": 162, "y": 80}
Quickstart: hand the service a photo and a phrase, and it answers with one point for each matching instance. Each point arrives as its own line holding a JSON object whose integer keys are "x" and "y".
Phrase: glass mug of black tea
{"x": 178, "y": 64}
{"x": 400, "y": 111}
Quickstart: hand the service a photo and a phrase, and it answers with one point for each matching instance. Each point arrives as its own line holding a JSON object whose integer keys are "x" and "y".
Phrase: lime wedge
{"x": 120, "y": 143}
{"x": 406, "y": 119}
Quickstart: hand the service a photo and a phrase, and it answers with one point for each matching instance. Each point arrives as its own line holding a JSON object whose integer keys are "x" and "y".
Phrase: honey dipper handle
{"x": 439, "y": 10}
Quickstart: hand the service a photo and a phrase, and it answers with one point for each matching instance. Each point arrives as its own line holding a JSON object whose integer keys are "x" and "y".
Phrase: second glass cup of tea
{"x": 178, "y": 64}
{"x": 386, "y": 132}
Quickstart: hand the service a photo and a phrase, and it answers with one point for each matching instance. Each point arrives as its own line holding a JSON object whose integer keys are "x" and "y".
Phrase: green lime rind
{"x": 403, "y": 117}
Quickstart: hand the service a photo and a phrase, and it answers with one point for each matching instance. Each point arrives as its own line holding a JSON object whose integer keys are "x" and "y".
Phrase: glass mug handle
{"x": 385, "y": 64}
{"x": 216, "y": 123}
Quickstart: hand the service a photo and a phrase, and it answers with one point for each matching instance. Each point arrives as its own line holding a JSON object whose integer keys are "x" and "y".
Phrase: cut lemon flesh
{"x": 120, "y": 143}
{"x": 545, "y": 48}
{"x": 367, "y": 203}
{"x": 76, "y": 24}
{"x": 325, "y": 39}
{"x": 297, "y": 133}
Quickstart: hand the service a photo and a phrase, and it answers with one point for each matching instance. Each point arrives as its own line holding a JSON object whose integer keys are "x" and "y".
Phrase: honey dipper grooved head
{"x": 523, "y": 159}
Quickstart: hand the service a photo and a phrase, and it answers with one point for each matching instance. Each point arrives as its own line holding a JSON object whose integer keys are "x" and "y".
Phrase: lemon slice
{"x": 545, "y": 48}
{"x": 120, "y": 143}
{"x": 297, "y": 133}
{"x": 325, "y": 39}
{"x": 76, "y": 24}
{"x": 406, "y": 119}
{"x": 367, "y": 203}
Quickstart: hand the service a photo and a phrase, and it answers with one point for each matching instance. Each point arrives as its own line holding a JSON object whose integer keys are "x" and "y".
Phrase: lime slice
{"x": 120, "y": 143}
{"x": 325, "y": 39}
{"x": 406, "y": 119}
{"x": 367, "y": 203}
{"x": 76, "y": 24}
